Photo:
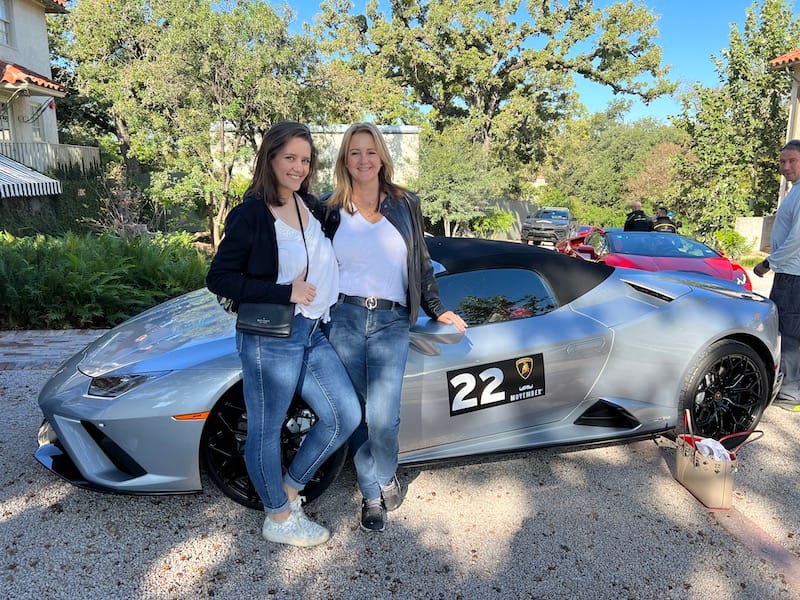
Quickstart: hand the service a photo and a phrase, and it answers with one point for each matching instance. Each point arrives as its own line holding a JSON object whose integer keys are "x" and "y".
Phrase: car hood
{"x": 190, "y": 328}
{"x": 554, "y": 221}
{"x": 716, "y": 267}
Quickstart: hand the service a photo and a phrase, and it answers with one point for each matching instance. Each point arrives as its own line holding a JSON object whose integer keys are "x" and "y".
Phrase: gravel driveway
{"x": 593, "y": 523}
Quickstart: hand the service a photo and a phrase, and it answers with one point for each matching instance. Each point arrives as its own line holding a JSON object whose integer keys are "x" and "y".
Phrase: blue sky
{"x": 691, "y": 31}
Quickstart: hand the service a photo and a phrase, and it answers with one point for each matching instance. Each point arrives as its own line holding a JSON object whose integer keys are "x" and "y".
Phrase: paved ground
{"x": 604, "y": 522}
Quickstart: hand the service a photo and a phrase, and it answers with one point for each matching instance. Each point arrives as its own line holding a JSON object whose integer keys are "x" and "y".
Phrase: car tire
{"x": 726, "y": 391}
{"x": 222, "y": 449}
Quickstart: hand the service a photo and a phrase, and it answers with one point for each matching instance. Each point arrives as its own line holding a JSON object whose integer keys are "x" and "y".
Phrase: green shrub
{"x": 732, "y": 243}
{"x": 494, "y": 221}
{"x": 84, "y": 280}
{"x": 750, "y": 261}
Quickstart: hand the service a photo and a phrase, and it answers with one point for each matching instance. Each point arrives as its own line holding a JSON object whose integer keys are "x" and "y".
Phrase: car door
{"x": 523, "y": 363}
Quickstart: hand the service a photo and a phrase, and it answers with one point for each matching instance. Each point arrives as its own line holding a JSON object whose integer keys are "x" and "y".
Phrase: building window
{"x": 5, "y": 122}
{"x": 37, "y": 123}
{"x": 5, "y": 23}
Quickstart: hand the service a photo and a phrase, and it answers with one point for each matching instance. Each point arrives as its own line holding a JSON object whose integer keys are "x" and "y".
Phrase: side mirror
{"x": 587, "y": 251}
{"x": 427, "y": 334}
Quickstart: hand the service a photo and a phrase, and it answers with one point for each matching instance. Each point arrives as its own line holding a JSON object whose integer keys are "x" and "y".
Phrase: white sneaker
{"x": 297, "y": 530}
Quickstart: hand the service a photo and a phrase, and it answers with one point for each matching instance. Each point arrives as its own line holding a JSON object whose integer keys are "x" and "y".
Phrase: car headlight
{"x": 111, "y": 386}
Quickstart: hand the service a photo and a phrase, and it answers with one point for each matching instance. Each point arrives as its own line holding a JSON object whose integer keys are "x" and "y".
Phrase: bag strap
{"x": 302, "y": 231}
{"x": 757, "y": 433}
{"x": 687, "y": 423}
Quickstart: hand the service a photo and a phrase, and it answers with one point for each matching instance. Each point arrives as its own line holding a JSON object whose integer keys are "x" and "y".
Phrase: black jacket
{"x": 406, "y": 216}
{"x": 665, "y": 225}
{"x": 245, "y": 268}
{"x": 638, "y": 221}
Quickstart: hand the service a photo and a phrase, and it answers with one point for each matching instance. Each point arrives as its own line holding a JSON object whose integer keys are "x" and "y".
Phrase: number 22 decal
{"x": 494, "y": 384}
{"x": 464, "y": 398}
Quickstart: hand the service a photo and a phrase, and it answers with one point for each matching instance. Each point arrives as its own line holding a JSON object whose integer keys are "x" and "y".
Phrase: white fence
{"x": 45, "y": 157}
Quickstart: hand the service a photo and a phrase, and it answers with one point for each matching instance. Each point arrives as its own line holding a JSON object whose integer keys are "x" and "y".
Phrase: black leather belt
{"x": 370, "y": 303}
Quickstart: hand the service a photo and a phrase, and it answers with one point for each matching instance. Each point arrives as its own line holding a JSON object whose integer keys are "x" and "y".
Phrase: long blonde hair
{"x": 342, "y": 195}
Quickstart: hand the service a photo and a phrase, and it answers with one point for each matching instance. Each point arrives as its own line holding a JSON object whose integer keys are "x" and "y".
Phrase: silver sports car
{"x": 558, "y": 351}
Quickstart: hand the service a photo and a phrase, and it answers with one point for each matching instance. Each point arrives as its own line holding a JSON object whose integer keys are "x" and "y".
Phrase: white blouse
{"x": 322, "y": 271}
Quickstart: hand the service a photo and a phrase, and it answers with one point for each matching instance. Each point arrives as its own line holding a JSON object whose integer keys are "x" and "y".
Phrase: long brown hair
{"x": 264, "y": 184}
{"x": 342, "y": 195}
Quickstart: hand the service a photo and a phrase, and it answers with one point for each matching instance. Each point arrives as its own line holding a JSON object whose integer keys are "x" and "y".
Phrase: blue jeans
{"x": 273, "y": 369}
{"x": 373, "y": 345}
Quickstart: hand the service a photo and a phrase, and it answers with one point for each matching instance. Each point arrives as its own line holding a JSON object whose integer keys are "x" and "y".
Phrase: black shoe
{"x": 392, "y": 494}
{"x": 373, "y": 515}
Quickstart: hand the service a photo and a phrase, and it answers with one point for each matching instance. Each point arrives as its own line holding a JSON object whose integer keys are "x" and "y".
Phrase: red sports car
{"x": 651, "y": 251}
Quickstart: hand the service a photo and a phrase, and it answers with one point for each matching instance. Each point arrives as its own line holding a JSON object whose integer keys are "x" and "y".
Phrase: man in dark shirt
{"x": 663, "y": 223}
{"x": 636, "y": 220}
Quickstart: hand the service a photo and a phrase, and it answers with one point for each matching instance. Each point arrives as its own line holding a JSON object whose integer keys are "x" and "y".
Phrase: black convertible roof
{"x": 569, "y": 277}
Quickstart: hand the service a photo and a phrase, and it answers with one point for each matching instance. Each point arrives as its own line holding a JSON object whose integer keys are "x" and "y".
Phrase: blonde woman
{"x": 385, "y": 277}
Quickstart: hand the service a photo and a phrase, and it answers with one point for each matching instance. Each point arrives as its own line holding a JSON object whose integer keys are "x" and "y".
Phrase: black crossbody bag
{"x": 269, "y": 318}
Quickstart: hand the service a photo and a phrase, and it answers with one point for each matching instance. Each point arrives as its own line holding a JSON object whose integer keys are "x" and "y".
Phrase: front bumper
{"x": 131, "y": 444}
{"x": 542, "y": 235}
{"x": 53, "y": 457}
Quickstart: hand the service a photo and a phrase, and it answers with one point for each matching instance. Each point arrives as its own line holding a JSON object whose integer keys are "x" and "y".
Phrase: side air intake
{"x": 605, "y": 414}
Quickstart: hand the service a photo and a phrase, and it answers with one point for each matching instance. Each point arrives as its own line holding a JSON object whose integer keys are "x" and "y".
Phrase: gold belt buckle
{"x": 371, "y": 303}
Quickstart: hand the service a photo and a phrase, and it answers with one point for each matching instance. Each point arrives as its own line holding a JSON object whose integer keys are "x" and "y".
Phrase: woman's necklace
{"x": 367, "y": 209}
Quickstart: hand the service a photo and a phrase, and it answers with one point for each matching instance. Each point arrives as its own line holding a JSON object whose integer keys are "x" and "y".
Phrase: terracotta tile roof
{"x": 787, "y": 60}
{"x": 54, "y": 6}
{"x": 15, "y": 74}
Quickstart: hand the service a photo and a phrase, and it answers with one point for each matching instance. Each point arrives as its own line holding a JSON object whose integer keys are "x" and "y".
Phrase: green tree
{"x": 455, "y": 185}
{"x": 235, "y": 70}
{"x": 734, "y": 130}
{"x": 603, "y": 163}
{"x": 187, "y": 88}
{"x": 501, "y": 70}
{"x": 105, "y": 44}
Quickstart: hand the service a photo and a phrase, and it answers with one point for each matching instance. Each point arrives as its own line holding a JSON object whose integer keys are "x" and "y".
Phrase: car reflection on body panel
{"x": 559, "y": 351}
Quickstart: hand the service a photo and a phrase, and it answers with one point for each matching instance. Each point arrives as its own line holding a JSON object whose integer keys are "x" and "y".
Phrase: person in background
{"x": 274, "y": 251}
{"x": 385, "y": 277}
{"x": 663, "y": 222}
{"x": 636, "y": 220}
{"x": 784, "y": 260}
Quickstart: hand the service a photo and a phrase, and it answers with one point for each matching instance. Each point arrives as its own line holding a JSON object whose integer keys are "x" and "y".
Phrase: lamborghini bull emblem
{"x": 525, "y": 367}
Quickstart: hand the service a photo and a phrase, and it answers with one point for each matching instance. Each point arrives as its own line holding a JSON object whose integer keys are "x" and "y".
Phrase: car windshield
{"x": 669, "y": 245}
{"x": 551, "y": 214}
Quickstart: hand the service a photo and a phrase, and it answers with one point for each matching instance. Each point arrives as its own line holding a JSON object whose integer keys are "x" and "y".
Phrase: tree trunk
{"x": 213, "y": 221}
{"x": 133, "y": 168}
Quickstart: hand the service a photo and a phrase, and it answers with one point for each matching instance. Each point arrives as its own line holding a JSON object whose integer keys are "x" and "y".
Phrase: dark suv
{"x": 549, "y": 224}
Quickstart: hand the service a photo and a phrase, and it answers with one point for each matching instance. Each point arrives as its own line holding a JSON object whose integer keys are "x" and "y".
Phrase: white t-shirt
{"x": 372, "y": 258}
{"x": 322, "y": 271}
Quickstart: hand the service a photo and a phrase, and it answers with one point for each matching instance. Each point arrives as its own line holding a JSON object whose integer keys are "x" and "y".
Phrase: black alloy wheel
{"x": 222, "y": 449}
{"x": 726, "y": 392}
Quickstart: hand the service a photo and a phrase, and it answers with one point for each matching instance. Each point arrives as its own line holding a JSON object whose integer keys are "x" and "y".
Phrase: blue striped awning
{"x": 18, "y": 180}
